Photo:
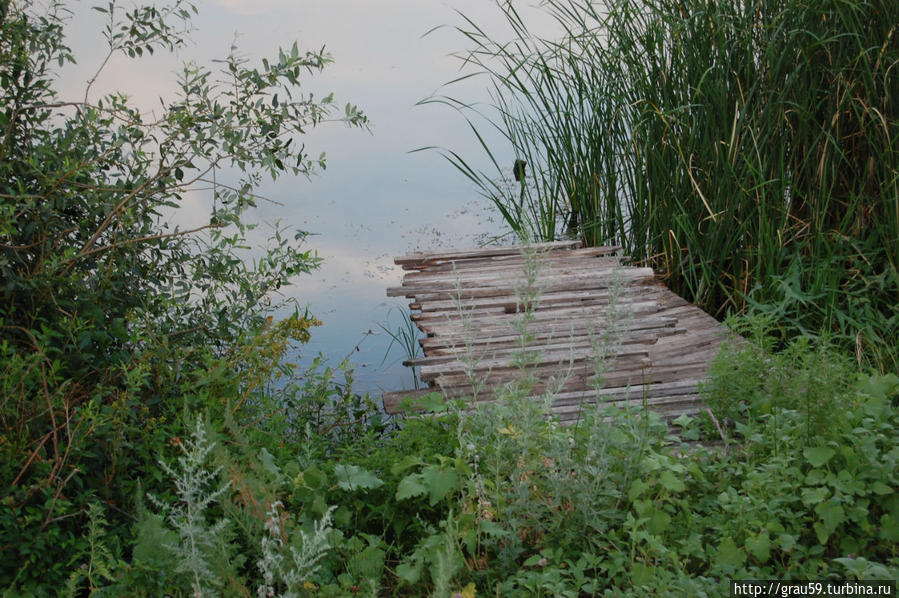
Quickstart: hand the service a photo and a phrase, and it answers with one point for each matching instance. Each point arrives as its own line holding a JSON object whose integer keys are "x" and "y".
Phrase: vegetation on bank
{"x": 745, "y": 149}
{"x": 145, "y": 451}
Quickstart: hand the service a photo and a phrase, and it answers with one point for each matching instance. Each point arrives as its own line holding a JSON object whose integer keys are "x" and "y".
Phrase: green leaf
{"x": 351, "y": 477}
{"x": 889, "y": 528}
{"x": 641, "y": 574}
{"x": 343, "y": 516}
{"x": 408, "y": 572}
{"x": 818, "y": 455}
{"x": 268, "y": 463}
{"x": 831, "y": 514}
{"x": 659, "y": 521}
{"x": 813, "y": 496}
{"x": 671, "y": 482}
{"x": 787, "y": 542}
{"x": 492, "y": 529}
{"x": 313, "y": 478}
{"x": 683, "y": 420}
{"x": 881, "y": 488}
{"x": 404, "y": 464}
{"x": 638, "y": 487}
{"x": 411, "y": 485}
{"x": 759, "y": 546}
{"x": 433, "y": 402}
{"x": 821, "y": 532}
{"x": 728, "y": 556}
{"x": 439, "y": 482}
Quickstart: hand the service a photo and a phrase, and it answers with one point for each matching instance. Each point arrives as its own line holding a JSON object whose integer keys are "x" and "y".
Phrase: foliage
{"x": 293, "y": 574}
{"x": 100, "y": 563}
{"x": 114, "y": 322}
{"x": 616, "y": 505}
{"x": 116, "y": 331}
{"x": 747, "y": 150}
{"x": 197, "y": 539}
{"x": 804, "y": 486}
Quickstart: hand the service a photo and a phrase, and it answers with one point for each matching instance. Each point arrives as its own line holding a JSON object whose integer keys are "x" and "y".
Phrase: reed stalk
{"x": 746, "y": 149}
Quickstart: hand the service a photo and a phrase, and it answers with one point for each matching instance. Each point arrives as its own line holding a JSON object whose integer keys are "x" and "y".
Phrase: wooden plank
{"x": 505, "y": 326}
{"x": 515, "y": 277}
{"x": 432, "y": 371}
{"x": 509, "y": 260}
{"x": 458, "y": 385}
{"x": 546, "y": 299}
{"x": 450, "y": 292}
{"x": 669, "y": 401}
{"x": 512, "y": 269}
{"x": 490, "y": 348}
{"x": 455, "y": 254}
{"x": 439, "y": 346}
{"x": 630, "y": 307}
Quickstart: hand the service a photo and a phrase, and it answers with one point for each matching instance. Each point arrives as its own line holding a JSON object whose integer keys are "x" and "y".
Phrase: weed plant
{"x": 405, "y": 336}
{"x": 195, "y": 490}
{"x": 115, "y": 334}
{"x": 534, "y": 483}
{"x": 470, "y": 355}
{"x": 616, "y": 505}
{"x": 747, "y": 150}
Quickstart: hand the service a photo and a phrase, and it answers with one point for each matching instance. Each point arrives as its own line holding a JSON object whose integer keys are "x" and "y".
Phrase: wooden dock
{"x": 469, "y": 309}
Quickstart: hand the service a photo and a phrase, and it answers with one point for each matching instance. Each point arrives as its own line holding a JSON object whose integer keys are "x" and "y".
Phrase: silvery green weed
{"x": 287, "y": 577}
{"x": 196, "y": 490}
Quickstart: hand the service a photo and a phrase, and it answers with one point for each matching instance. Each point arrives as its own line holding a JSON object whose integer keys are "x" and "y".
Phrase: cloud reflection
{"x": 375, "y": 200}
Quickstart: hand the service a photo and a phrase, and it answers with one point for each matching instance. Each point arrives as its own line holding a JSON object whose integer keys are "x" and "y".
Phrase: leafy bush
{"x": 804, "y": 485}
{"x": 113, "y": 323}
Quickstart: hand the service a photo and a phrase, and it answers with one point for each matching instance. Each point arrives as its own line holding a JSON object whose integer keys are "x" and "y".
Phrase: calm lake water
{"x": 376, "y": 200}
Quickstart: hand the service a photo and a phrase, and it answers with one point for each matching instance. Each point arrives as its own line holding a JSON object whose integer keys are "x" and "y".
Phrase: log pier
{"x": 469, "y": 307}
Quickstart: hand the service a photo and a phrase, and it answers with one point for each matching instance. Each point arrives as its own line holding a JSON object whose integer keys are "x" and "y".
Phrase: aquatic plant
{"x": 746, "y": 149}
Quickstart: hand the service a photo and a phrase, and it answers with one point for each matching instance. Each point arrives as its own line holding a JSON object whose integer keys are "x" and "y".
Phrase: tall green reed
{"x": 748, "y": 149}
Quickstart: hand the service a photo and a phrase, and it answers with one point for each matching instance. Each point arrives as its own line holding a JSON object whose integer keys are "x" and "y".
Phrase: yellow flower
{"x": 468, "y": 591}
{"x": 510, "y": 431}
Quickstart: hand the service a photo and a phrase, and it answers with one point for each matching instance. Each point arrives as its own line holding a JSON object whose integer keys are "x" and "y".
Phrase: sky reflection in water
{"x": 375, "y": 200}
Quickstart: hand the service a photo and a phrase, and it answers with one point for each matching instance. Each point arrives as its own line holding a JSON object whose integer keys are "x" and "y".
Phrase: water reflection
{"x": 375, "y": 200}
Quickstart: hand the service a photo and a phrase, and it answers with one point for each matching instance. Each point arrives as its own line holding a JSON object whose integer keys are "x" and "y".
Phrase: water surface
{"x": 376, "y": 200}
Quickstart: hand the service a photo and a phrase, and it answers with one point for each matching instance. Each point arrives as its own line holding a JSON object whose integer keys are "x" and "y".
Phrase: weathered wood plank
{"x": 547, "y": 299}
{"x": 514, "y": 278}
{"x": 506, "y": 326}
{"x": 589, "y": 314}
{"x": 490, "y": 348}
{"x": 571, "y": 258}
{"x": 507, "y": 260}
{"x": 491, "y": 287}
{"x": 488, "y": 345}
{"x": 432, "y": 371}
{"x": 421, "y": 258}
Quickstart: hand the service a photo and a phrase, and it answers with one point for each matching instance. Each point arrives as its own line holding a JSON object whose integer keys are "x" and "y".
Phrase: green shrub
{"x": 114, "y": 324}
